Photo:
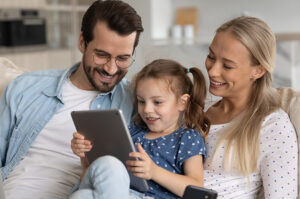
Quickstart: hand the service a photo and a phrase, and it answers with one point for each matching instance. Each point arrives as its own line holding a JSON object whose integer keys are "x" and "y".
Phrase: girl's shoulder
{"x": 134, "y": 129}
{"x": 188, "y": 133}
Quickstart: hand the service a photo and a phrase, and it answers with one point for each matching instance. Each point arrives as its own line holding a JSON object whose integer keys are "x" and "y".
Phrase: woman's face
{"x": 229, "y": 67}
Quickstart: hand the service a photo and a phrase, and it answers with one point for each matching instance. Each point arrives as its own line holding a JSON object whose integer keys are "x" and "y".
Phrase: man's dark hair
{"x": 118, "y": 15}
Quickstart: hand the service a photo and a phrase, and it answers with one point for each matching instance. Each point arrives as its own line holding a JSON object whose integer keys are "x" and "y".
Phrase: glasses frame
{"x": 109, "y": 58}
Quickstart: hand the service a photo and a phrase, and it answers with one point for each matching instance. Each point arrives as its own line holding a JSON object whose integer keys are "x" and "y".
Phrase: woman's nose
{"x": 213, "y": 69}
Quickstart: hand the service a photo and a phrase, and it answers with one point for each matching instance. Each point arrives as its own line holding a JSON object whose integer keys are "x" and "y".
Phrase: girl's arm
{"x": 79, "y": 146}
{"x": 175, "y": 183}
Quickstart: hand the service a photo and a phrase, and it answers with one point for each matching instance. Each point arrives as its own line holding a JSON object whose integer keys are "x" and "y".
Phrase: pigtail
{"x": 194, "y": 116}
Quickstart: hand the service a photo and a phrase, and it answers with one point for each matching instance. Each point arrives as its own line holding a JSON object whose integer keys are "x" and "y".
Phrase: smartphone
{"x": 194, "y": 192}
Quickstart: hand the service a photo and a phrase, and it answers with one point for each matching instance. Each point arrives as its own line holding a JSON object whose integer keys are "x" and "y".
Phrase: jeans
{"x": 106, "y": 178}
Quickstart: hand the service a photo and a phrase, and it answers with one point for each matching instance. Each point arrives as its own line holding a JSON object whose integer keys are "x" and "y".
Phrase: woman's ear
{"x": 183, "y": 102}
{"x": 258, "y": 72}
{"x": 81, "y": 44}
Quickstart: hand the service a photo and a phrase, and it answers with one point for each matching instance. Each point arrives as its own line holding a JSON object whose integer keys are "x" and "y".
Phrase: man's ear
{"x": 81, "y": 44}
{"x": 183, "y": 102}
{"x": 258, "y": 72}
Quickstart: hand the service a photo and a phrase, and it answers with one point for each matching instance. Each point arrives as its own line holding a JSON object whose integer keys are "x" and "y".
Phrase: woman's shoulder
{"x": 278, "y": 124}
{"x": 278, "y": 116}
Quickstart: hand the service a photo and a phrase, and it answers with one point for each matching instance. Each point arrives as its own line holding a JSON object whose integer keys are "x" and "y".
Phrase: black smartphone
{"x": 194, "y": 192}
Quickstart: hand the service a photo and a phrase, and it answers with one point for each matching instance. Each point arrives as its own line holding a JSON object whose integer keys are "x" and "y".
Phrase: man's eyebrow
{"x": 104, "y": 52}
{"x": 100, "y": 51}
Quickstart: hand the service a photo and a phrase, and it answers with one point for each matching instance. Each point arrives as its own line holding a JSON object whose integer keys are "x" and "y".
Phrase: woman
{"x": 252, "y": 142}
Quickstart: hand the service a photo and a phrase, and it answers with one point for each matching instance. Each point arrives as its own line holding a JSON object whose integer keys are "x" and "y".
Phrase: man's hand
{"x": 144, "y": 167}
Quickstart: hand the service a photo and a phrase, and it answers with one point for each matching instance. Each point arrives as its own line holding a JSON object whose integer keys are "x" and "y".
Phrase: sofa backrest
{"x": 8, "y": 71}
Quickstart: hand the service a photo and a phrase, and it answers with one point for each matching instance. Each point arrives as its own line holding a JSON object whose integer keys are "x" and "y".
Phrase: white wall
{"x": 282, "y": 16}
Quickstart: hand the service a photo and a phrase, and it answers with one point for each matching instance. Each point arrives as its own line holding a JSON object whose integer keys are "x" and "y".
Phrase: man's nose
{"x": 111, "y": 67}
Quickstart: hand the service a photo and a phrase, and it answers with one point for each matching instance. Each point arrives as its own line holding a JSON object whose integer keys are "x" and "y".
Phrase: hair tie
{"x": 188, "y": 70}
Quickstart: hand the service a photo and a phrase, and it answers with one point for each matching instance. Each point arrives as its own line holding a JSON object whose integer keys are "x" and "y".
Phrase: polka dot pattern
{"x": 169, "y": 152}
{"x": 277, "y": 164}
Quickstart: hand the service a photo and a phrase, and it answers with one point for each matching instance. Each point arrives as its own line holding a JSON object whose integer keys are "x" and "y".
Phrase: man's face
{"x": 106, "y": 45}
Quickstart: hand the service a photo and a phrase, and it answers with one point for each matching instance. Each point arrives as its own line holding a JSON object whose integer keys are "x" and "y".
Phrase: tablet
{"x": 108, "y": 132}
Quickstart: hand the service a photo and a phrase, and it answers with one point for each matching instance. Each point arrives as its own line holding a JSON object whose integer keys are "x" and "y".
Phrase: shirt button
{"x": 98, "y": 106}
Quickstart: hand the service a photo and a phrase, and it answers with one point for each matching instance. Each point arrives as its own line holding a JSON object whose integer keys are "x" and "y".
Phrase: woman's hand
{"x": 144, "y": 167}
{"x": 79, "y": 145}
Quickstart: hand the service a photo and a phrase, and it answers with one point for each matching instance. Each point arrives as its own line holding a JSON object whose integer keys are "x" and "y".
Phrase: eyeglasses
{"x": 122, "y": 61}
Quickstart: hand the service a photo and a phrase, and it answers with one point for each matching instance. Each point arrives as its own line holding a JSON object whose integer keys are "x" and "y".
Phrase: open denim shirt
{"x": 32, "y": 99}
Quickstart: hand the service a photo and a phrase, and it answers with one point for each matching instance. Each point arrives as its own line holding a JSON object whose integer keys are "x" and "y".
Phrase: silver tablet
{"x": 108, "y": 132}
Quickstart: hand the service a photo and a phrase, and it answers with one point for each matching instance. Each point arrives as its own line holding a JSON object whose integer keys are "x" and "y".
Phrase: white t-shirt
{"x": 278, "y": 163}
{"x": 50, "y": 169}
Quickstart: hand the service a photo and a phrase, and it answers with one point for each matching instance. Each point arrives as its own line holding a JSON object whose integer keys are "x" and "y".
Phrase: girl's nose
{"x": 147, "y": 108}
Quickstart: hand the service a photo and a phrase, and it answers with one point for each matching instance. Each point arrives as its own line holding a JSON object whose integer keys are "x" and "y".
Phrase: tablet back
{"x": 109, "y": 134}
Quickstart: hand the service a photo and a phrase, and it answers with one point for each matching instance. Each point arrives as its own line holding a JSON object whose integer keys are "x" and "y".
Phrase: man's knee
{"x": 108, "y": 163}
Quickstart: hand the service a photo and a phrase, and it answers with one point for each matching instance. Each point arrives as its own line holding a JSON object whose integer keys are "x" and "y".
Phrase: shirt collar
{"x": 51, "y": 91}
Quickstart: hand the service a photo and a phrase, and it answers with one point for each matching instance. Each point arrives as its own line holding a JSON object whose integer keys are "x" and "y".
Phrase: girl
{"x": 168, "y": 134}
{"x": 252, "y": 143}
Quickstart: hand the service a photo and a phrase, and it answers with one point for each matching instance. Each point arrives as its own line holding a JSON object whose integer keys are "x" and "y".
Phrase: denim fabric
{"x": 106, "y": 178}
{"x": 32, "y": 99}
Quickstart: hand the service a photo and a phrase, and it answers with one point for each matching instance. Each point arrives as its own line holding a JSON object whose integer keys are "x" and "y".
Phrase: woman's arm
{"x": 176, "y": 183}
{"x": 279, "y": 157}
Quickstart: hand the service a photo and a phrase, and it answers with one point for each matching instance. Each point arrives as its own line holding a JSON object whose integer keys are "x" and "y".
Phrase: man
{"x": 35, "y": 123}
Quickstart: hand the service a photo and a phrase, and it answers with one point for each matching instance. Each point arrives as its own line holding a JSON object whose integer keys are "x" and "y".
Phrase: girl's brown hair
{"x": 180, "y": 83}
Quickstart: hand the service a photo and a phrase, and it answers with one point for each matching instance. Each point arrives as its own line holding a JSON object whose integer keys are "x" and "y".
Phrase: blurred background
{"x": 43, "y": 34}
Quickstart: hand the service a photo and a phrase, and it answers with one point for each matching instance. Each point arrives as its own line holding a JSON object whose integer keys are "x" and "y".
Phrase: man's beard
{"x": 104, "y": 87}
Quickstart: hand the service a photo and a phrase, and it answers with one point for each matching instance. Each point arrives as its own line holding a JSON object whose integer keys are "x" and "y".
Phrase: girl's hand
{"x": 79, "y": 145}
{"x": 144, "y": 167}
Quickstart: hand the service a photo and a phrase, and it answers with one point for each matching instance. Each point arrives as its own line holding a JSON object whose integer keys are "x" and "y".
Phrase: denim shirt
{"x": 32, "y": 99}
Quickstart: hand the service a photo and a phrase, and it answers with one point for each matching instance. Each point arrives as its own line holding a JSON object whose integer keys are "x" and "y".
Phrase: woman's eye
{"x": 227, "y": 67}
{"x": 210, "y": 57}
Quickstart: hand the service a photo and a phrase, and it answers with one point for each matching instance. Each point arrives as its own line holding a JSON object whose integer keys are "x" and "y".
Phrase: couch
{"x": 290, "y": 98}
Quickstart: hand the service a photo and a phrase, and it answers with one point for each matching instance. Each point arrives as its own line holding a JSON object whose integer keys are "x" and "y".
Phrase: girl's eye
{"x": 140, "y": 101}
{"x": 157, "y": 102}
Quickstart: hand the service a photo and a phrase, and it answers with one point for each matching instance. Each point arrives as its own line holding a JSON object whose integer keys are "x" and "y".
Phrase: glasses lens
{"x": 124, "y": 63}
{"x": 100, "y": 60}
{"x": 121, "y": 62}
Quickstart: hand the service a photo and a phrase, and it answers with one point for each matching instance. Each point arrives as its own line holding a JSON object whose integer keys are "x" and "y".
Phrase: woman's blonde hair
{"x": 242, "y": 137}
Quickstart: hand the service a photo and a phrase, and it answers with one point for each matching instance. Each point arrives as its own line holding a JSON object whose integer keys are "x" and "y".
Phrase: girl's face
{"x": 229, "y": 67}
{"x": 158, "y": 106}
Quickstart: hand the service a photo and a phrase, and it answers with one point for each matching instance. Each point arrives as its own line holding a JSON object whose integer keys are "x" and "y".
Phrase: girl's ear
{"x": 183, "y": 102}
{"x": 81, "y": 44}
